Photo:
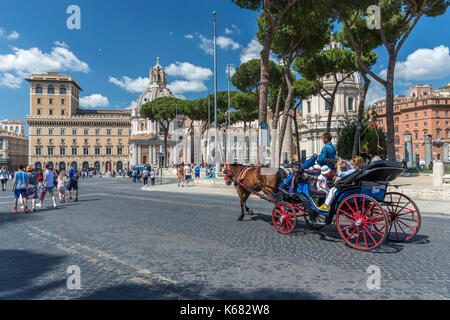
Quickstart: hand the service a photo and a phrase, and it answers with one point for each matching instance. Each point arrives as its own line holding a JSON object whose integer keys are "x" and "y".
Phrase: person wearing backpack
{"x": 74, "y": 175}
{"x": 145, "y": 176}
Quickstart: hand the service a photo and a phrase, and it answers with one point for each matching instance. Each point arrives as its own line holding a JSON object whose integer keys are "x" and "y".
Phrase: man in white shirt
{"x": 47, "y": 187}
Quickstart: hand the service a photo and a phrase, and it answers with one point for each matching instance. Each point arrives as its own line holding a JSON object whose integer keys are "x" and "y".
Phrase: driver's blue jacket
{"x": 328, "y": 152}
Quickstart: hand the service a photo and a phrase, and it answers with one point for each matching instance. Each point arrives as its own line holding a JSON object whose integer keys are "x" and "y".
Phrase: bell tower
{"x": 158, "y": 77}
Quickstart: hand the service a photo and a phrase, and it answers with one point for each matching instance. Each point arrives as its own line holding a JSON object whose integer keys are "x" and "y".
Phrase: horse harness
{"x": 242, "y": 175}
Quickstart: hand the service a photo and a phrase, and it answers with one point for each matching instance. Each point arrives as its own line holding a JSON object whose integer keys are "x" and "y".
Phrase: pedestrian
{"x": 19, "y": 187}
{"x": 145, "y": 176}
{"x": 62, "y": 181}
{"x": 47, "y": 186}
{"x": 139, "y": 176}
{"x": 32, "y": 189}
{"x": 152, "y": 176}
{"x": 180, "y": 175}
{"x": 73, "y": 176}
{"x": 4, "y": 176}
{"x": 197, "y": 169}
{"x": 188, "y": 174}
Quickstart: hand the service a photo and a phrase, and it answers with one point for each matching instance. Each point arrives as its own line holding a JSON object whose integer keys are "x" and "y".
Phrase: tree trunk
{"x": 297, "y": 133}
{"x": 287, "y": 107}
{"x": 390, "y": 108}
{"x": 330, "y": 112}
{"x": 362, "y": 103}
{"x": 276, "y": 117}
{"x": 264, "y": 84}
{"x": 166, "y": 134}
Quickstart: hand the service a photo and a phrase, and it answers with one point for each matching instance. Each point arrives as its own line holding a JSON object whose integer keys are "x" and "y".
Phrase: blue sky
{"x": 119, "y": 41}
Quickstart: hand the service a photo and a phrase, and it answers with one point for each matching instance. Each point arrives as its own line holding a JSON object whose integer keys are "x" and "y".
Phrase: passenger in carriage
{"x": 357, "y": 162}
{"x": 290, "y": 181}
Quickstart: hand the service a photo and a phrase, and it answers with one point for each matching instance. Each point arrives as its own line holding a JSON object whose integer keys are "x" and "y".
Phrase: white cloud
{"x": 189, "y": 36}
{"x": 224, "y": 43}
{"x": 61, "y": 44}
{"x": 12, "y": 36}
{"x": 10, "y": 81}
{"x": 188, "y": 71}
{"x": 233, "y": 29}
{"x": 253, "y": 51}
{"x": 132, "y": 105}
{"x": 94, "y": 100}
{"x": 424, "y": 64}
{"x": 182, "y": 86}
{"x": 35, "y": 61}
{"x": 131, "y": 85}
{"x": 376, "y": 92}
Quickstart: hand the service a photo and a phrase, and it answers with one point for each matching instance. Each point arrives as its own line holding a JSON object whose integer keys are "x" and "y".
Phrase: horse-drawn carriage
{"x": 364, "y": 211}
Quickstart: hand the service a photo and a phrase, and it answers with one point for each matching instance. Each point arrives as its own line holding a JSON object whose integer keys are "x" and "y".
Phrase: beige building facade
{"x": 13, "y": 147}
{"x": 62, "y": 134}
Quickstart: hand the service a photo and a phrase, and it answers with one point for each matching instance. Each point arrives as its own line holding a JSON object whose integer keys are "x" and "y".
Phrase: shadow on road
{"x": 161, "y": 291}
{"x": 20, "y": 268}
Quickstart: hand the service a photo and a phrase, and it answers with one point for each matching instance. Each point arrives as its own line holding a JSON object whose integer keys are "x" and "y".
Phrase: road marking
{"x": 72, "y": 250}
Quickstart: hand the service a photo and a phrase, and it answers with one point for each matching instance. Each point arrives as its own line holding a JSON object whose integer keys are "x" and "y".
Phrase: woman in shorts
{"x": 33, "y": 188}
{"x": 62, "y": 181}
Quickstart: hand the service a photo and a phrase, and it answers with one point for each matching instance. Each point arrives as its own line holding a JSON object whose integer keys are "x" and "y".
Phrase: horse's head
{"x": 231, "y": 170}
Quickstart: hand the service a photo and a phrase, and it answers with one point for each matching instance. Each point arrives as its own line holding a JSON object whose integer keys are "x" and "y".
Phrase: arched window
{"x": 38, "y": 166}
{"x": 51, "y": 90}
{"x": 119, "y": 166}
{"x": 142, "y": 126}
{"x": 62, "y": 90}
{"x": 85, "y": 166}
{"x": 62, "y": 166}
{"x": 97, "y": 166}
{"x": 74, "y": 164}
{"x": 38, "y": 88}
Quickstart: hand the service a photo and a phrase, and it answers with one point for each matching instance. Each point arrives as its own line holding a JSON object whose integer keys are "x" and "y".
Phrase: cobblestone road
{"x": 134, "y": 244}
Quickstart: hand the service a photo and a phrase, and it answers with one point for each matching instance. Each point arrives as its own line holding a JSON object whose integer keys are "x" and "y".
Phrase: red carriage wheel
{"x": 284, "y": 217}
{"x": 362, "y": 222}
{"x": 403, "y": 215}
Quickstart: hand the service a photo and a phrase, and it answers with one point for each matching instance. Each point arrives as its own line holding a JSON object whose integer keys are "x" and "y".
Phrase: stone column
{"x": 438, "y": 174}
{"x": 138, "y": 155}
{"x": 408, "y": 150}
{"x": 428, "y": 149}
{"x": 445, "y": 156}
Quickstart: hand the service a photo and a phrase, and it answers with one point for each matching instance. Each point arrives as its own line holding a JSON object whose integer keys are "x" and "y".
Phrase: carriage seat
{"x": 382, "y": 171}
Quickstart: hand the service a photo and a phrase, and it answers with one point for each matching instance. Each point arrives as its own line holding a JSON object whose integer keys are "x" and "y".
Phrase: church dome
{"x": 157, "y": 89}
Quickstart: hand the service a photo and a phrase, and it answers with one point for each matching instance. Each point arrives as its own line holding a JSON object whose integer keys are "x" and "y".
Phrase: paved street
{"x": 135, "y": 244}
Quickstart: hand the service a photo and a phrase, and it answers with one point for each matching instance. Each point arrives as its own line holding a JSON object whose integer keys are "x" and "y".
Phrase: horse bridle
{"x": 230, "y": 175}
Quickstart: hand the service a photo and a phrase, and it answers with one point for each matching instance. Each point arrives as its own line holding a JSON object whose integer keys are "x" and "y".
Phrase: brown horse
{"x": 256, "y": 179}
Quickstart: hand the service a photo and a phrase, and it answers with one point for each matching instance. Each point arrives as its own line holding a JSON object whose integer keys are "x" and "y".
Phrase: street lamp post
{"x": 228, "y": 151}
{"x": 215, "y": 91}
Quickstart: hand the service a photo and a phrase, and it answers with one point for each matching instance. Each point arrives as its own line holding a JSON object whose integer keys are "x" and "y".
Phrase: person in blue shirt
{"x": 19, "y": 187}
{"x": 328, "y": 151}
{"x": 197, "y": 171}
{"x": 4, "y": 176}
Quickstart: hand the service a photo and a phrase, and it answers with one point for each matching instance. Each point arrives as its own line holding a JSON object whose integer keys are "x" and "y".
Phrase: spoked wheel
{"x": 319, "y": 223}
{"x": 403, "y": 215}
{"x": 284, "y": 217}
{"x": 362, "y": 222}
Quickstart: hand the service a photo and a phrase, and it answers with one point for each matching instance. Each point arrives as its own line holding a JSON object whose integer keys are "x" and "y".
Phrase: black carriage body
{"x": 371, "y": 180}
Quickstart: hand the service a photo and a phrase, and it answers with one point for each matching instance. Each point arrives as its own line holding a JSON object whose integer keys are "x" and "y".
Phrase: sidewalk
{"x": 218, "y": 187}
